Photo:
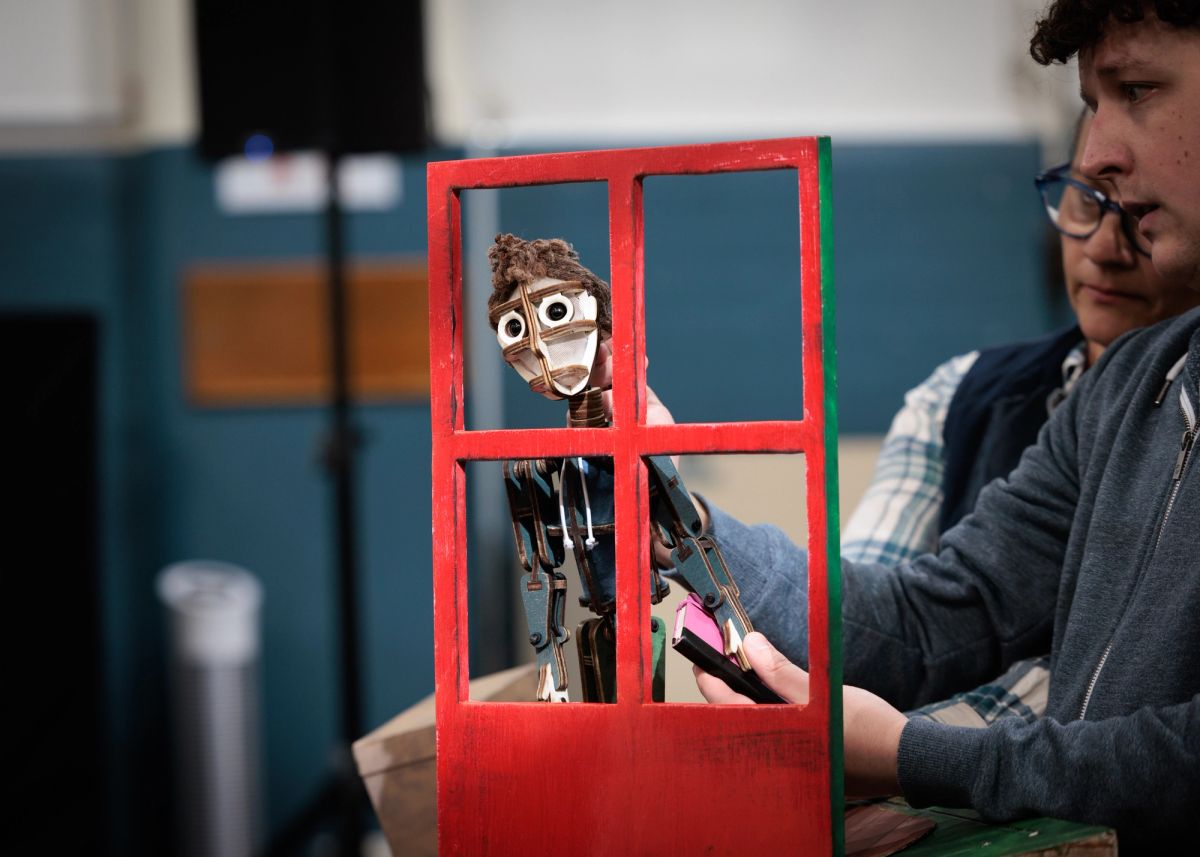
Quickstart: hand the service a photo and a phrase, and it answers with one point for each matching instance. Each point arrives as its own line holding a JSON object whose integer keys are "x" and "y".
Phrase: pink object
{"x": 691, "y": 614}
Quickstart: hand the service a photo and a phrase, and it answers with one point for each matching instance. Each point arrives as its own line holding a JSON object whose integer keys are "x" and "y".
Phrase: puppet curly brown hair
{"x": 516, "y": 261}
{"x": 1070, "y": 26}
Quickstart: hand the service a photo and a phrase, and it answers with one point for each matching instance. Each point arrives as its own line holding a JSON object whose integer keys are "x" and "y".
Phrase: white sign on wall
{"x": 296, "y": 183}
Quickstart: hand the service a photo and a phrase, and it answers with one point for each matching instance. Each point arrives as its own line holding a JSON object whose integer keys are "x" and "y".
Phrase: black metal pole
{"x": 343, "y": 443}
{"x": 342, "y": 799}
{"x": 343, "y": 448}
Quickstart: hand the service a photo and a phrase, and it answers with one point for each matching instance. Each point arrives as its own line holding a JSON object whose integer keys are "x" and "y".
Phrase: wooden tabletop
{"x": 962, "y": 832}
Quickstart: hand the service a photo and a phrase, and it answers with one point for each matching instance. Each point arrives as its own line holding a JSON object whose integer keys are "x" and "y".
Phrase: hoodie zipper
{"x": 1185, "y": 448}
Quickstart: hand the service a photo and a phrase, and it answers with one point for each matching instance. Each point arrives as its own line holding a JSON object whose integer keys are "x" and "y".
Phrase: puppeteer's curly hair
{"x": 1070, "y": 26}
{"x": 516, "y": 261}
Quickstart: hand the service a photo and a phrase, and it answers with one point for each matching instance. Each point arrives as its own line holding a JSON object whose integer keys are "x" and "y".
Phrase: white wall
{"x": 86, "y": 74}
{"x": 167, "y": 108}
{"x": 59, "y": 61}
{"x": 540, "y": 72}
{"x": 531, "y": 71}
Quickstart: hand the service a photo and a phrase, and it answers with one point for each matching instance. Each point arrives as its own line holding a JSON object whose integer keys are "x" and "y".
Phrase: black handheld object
{"x": 695, "y": 632}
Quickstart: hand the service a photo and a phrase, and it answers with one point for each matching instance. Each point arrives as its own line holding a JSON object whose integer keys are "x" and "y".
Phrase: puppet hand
{"x": 871, "y": 727}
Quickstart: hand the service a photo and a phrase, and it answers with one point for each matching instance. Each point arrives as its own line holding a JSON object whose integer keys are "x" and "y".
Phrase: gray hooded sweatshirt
{"x": 1091, "y": 550}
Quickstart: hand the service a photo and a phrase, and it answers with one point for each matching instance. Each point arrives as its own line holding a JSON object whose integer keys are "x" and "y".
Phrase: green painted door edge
{"x": 833, "y": 554}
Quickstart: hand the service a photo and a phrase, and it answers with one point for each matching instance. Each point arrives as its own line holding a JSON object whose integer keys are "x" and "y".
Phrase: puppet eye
{"x": 556, "y": 310}
{"x": 510, "y": 328}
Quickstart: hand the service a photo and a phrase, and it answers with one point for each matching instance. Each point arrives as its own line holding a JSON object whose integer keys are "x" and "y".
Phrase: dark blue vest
{"x": 996, "y": 412}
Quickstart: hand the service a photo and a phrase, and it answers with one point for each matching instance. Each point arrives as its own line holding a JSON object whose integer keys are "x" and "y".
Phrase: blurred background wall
{"x": 939, "y": 120}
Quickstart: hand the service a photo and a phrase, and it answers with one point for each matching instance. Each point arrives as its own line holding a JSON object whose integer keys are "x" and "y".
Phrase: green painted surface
{"x": 833, "y": 555}
{"x": 962, "y": 832}
{"x": 658, "y": 657}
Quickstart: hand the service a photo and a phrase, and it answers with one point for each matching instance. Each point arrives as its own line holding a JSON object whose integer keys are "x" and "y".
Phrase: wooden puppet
{"x": 550, "y": 315}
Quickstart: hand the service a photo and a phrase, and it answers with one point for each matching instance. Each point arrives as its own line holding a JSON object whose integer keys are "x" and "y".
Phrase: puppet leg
{"x": 586, "y": 490}
{"x": 544, "y": 597}
{"x": 543, "y": 592}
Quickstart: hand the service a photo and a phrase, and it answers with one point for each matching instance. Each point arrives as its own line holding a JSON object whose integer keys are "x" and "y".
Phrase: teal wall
{"x": 112, "y": 236}
{"x": 938, "y": 251}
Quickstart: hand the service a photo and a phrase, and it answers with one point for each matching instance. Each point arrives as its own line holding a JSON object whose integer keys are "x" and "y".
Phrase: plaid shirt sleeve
{"x": 897, "y": 518}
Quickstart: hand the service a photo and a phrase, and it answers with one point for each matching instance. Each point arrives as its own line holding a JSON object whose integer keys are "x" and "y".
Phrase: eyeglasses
{"x": 1077, "y": 209}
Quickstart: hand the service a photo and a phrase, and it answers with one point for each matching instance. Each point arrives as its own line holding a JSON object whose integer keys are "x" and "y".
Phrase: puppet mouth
{"x": 567, "y": 380}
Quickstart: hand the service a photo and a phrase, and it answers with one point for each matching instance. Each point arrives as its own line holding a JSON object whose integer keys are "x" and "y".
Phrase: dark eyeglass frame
{"x": 1061, "y": 175}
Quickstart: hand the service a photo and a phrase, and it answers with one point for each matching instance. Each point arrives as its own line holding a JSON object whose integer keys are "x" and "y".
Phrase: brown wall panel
{"x": 257, "y": 334}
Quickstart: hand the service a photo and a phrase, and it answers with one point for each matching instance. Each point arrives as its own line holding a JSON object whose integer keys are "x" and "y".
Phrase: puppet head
{"x": 548, "y": 312}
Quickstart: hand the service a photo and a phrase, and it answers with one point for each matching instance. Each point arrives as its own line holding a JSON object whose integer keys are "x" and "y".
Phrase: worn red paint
{"x": 634, "y": 777}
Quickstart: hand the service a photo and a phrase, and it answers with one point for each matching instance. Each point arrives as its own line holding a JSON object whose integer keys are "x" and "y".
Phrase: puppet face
{"x": 547, "y": 330}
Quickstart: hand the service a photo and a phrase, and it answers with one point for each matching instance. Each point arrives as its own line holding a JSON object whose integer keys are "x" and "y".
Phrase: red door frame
{"x": 635, "y": 777}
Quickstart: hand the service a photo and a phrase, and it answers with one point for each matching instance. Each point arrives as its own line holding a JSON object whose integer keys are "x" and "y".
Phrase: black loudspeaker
{"x": 342, "y": 76}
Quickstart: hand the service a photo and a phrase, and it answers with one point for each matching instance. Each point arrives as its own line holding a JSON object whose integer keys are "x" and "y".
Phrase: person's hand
{"x": 658, "y": 415}
{"x": 601, "y": 378}
{"x": 871, "y": 727}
